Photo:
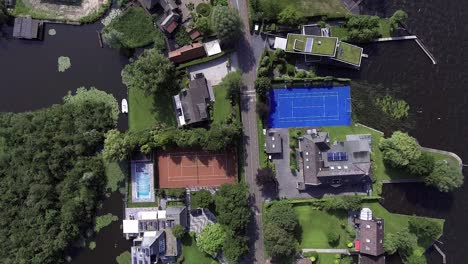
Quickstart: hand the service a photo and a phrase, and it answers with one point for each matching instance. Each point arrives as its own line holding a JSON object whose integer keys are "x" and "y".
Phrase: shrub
{"x": 291, "y": 16}
{"x": 201, "y": 199}
{"x": 174, "y": 193}
{"x": 178, "y": 231}
{"x": 265, "y": 62}
{"x": 204, "y": 9}
{"x": 301, "y": 74}
{"x": 397, "y": 109}
{"x": 333, "y": 238}
{"x": 263, "y": 72}
{"x": 202, "y": 24}
{"x": 291, "y": 69}
{"x": 182, "y": 37}
{"x": 92, "y": 245}
{"x": 422, "y": 166}
{"x": 400, "y": 149}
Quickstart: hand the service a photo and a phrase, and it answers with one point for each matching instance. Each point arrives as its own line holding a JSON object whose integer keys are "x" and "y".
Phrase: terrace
{"x": 311, "y": 45}
{"x": 349, "y": 54}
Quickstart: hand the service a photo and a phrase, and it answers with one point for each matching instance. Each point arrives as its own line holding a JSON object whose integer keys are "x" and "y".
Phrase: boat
{"x": 124, "y": 106}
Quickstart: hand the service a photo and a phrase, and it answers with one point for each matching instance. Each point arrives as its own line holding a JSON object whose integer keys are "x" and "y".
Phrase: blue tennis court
{"x": 310, "y": 107}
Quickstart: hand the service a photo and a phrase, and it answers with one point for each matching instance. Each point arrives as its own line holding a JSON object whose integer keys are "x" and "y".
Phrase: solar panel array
{"x": 309, "y": 43}
{"x": 337, "y": 156}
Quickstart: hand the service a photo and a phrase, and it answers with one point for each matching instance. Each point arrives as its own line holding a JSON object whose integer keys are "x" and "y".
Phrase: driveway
{"x": 214, "y": 70}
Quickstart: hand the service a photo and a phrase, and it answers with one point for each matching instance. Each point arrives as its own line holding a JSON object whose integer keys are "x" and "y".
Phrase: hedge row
{"x": 203, "y": 60}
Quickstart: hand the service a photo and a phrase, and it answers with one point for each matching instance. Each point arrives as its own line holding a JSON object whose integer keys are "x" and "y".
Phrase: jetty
{"x": 444, "y": 259}
{"x": 413, "y": 37}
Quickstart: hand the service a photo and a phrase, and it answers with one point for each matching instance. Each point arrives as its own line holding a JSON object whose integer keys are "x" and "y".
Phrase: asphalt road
{"x": 248, "y": 55}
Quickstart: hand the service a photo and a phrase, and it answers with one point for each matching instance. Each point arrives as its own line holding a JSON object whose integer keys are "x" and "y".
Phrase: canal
{"x": 436, "y": 94}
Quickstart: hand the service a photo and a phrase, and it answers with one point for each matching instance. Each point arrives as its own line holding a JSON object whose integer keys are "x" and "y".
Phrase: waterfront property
{"x": 190, "y": 168}
{"x": 347, "y": 162}
{"x": 191, "y": 105}
{"x": 370, "y": 240}
{"x": 142, "y": 183}
{"x": 151, "y": 231}
{"x": 310, "y": 107}
{"x": 317, "y": 45}
{"x": 27, "y": 28}
{"x": 165, "y": 10}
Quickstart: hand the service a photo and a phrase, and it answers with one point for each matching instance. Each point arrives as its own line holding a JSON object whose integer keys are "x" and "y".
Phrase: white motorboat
{"x": 124, "y": 106}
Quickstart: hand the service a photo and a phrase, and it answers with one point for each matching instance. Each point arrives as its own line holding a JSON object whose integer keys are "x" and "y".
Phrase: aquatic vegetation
{"x": 398, "y": 109}
{"x": 124, "y": 258}
{"x": 64, "y": 63}
{"x": 52, "y": 32}
{"x": 113, "y": 14}
{"x": 92, "y": 245}
{"x": 104, "y": 220}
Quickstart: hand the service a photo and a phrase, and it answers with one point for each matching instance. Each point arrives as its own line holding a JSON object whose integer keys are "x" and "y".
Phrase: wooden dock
{"x": 444, "y": 259}
{"x": 413, "y": 37}
{"x": 99, "y": 38}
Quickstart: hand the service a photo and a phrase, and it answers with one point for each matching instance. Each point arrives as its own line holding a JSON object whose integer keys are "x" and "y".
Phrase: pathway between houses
{"x": 327, "y": 250}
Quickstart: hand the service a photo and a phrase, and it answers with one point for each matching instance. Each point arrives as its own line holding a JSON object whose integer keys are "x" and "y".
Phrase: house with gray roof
{"x": 334, "y": 164}
{"x": 273, "y": 142}
{"x": 191, "y": 105}
{"x": 165, "y": 10}
{"x": 151, "y": 231}
{"x": 27, "y": 28}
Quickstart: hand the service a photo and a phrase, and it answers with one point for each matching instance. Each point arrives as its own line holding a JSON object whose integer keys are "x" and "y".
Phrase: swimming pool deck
{"x": 150, "y": 168}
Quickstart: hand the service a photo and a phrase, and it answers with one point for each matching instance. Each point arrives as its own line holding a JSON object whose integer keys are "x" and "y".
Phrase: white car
{"x": 256, "y": 28}
{"x": 124, "y": 106}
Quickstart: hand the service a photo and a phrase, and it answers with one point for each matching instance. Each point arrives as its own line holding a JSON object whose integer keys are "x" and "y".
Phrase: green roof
{"x": 349, "y": 53}
{"x": 321, "y": 46}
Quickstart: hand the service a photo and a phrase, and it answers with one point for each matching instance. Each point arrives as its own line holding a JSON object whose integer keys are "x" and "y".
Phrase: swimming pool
{"x": 142, "y": 176}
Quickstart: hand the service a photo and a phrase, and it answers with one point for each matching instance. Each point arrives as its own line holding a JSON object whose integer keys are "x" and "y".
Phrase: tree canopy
{"x": 425, "y": 229}
{"x": 51, "y": 177}
{"x": 422, "y": 166}
{"x": 152, "y": 72}
{"x": 233, "y": 83}
{"x": 400, "y": 149}
{"x": 211, "y": 239}
{"x": 291, "y": 16}
{"x": 234, "y": 247}
{"x": 3, "y": 13}
{"x": 178, "y": 231}
{"x": 201, "y": 199}
{"x": 404, "y": 242}
{"x": 232, "y": 207}
{"x": 226, "y": 23}
{"x": 445, "y": 176}
{"x": 363, "y": 28}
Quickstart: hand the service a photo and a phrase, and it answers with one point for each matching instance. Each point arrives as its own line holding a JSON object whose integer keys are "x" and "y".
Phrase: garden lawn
{"x": 191, "y": 253}
{"x": 316, "y": 223}
{"x": 136, "y": 26}
{"x": 222, "y": 108}
{"x": 384, "y": 28}
{"x": 397, "y": 222}
{"x": 325, "y": 258}
{"x": 146, "y": 111}
{"x": 339, "y": 32}
{"x": 310, "y": 8}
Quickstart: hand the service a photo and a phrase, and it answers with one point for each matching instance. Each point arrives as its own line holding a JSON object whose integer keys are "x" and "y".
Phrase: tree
{"x": 232, "y": 207}
{"x": 265, "y": 176}
{"x": 445, "y": 176}
{"x": 278, "y": 242}
{"x": 234, "y": 247}
{"x": 201, "y": 199}
{"x": 404, "y": 242}
{"x": 233, "y": 83}
{"x": 202, "y": 24}
{"x": 226, "y": 23}
{"x": 151, "y": 72}
{"x": 282, "y": 215}
{"x": 262, "y": 86}
{"x": 333, "y": 237}
{"x": 425, "y": 229}
{"x": 291, "y": 16}
{"x": 400, "y": 149}
{"x": 399, "y": 16}
{"x": 178, "y": 231}
{"x": 415, "y": 259}
{"x": 422, "y": 166}
{"x": 270, "y": 9}
{"x": 114, "y": 147}
{"x": 113, "y": 38}
{"x": 93, "y": 95}
{"x": 363, "y": 28}
{"x": 211, "y": 239}
{"x": 3, "y": 13}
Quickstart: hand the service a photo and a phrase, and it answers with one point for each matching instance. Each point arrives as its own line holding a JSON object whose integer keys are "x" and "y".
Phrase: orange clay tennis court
{"x": 196, "y": 168}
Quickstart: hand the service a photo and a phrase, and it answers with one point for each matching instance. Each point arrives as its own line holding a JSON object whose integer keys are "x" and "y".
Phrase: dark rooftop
{"x": 274, "y": 143}
{"x": 363, "y": 259}
{"x": 192, "y": 104}
{"x": 371, "y": 236}
{"x": 26, "y": 28}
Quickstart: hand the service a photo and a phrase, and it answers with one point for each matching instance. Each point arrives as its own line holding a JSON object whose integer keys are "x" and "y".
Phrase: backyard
{"x": 329, "y": 8}
{"x": 222, "y": 108}
{"x": 191, "y": 253}
{"x": 316, "y": 223}
{"x": 379, "y": 170}
{"x": 341, "y": 32}
{"x": 146, "y": 111}
{"x": 136, "y": 27}
{"x": 397, "y": 222}
{"x": 349, "y": 53}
